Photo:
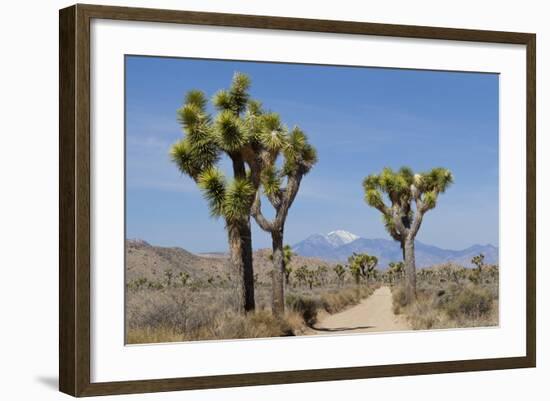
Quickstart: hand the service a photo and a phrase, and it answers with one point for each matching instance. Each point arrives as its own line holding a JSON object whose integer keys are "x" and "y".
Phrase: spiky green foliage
{"x": 300, "y": 156}
{"x": 402, "y": 188}
{"x": 272, "y": 133}
{"x": 288, "y": 253}
{"x": 229, "y": 132}
{"x": 271, "y": 181}
{"x": 212, "y": 182}
{"x": 234, "y": 99}
{"x": 206, "y": 138}
{"x": 239, "y": 195}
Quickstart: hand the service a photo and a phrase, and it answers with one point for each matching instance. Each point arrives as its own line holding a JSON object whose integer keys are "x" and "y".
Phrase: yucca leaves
{"x": 271, "y": 181}
{"x": 180, "y": 153}
{"x": 196, "y": 98}
{"x": 374, "y": 198}
{"x": 272, "y": 133}
{"x": 229, "y": 132}
{"x": 437, "y": 179}
{"x": 239, "y": 92}
{"x": 222, "y": 100}
{"x": 239, "y": 196}
{"x": 213, "y": 185}
{"x": 300, "y": 155}
{"x": 231, "y": 200}
{"x": 236, "y": 98}
{"x": 193, "y": 158}
{"x": 429, "y": 199}
{"x": 254, "y": 108}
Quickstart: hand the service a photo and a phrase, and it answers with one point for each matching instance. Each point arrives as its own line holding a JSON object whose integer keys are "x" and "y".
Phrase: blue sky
{"x": 359, "y": 119}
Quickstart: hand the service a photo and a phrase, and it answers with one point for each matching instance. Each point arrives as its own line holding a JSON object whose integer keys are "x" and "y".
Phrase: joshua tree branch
{"x": 256, "y": 212}
{"x": 416, "y": 224}
{"x": 397, "y": 214}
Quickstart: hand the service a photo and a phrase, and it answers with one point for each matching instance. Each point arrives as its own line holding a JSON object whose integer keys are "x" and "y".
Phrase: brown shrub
{"x": 399, "y": 299}
{"x": 472, "y": 302}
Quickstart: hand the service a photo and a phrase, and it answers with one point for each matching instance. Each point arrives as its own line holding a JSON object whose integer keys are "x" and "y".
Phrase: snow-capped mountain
{"x": 340, "y": 237}
{"x": 339, "y": 245}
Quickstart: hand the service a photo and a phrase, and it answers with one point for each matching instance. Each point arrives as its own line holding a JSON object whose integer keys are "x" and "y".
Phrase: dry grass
{"x": 450, "y": 303}
{"x": 187, "y": 314}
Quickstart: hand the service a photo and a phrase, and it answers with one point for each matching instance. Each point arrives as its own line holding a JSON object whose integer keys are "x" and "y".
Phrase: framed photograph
{"x": 250, "y": 200}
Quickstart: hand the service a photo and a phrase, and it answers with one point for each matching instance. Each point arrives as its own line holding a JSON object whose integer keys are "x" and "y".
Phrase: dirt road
{"x": 372, "y": 314}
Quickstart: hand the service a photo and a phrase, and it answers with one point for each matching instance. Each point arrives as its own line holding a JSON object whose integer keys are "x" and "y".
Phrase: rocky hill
{"x": 144, "y": 260}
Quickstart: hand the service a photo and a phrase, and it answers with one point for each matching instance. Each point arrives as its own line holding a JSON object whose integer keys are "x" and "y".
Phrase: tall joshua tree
{"x": 280, "y": 186}
{"x": 410, "y": 196}
{"x": 206, "y": 139}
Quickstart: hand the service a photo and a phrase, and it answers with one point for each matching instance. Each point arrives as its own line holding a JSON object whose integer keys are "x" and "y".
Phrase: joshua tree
{"x": 362, "y": 265}
{"x": 479, "y": 261}
{"x": 410, "y": 196}
{"x": 355, "y": 271}
{"x": 280, "y": 186}
{"x": 287, "y": 257}
{"x": 311, "y": 278}
{"x": 340, "y": 272}
{"x": 234, "y": 133}
{"x": 396, "y": 270}
{"x": 184, "y": 278}
{"x": 169, "y": 274}
{"x": 301, "y": 274}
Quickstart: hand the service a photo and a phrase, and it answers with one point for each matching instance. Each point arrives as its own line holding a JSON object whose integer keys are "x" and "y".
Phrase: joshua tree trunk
{"x": 278, "y": 274}
{"x": 240, "y": 256}
{"x": 240, "y": 244}
{"x": 410, "y": 269}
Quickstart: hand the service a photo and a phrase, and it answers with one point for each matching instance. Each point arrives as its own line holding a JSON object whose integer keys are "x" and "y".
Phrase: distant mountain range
{"x": 338, "y": 245}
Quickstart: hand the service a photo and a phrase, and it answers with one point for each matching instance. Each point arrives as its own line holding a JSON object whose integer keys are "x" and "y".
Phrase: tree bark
{"x": 240, "y": 256}
{"x": 240, "y": 246}
{"x": 410, "y": 270}
{"x": 278, "y": 274}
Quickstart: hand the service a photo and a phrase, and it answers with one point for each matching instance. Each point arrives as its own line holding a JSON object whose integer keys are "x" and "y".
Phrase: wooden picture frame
{"x": 74, "y": 199}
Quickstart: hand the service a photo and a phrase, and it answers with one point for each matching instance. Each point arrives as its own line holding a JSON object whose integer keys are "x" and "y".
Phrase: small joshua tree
{"x": 169, "y": 275}
{"x": 355, "y": 271}
{"x": 311, "y": 278}
{"x": 396, "y": 271}
{"x": 411, "y": 196}
{"x": 362, "y": 265}
{"x": 479, "y": 261}
{"x": 301, "y": 274}
{"x": 183, "y": 278}
{"x": 340, "y": 273}
{"x": 287, "y": 258}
